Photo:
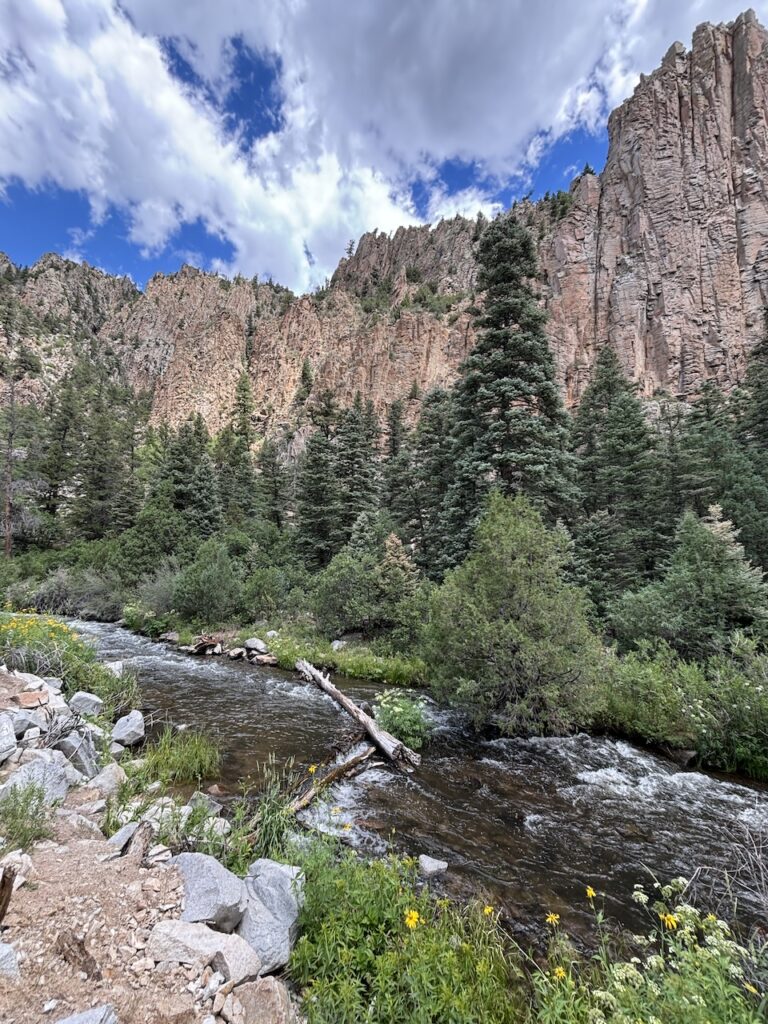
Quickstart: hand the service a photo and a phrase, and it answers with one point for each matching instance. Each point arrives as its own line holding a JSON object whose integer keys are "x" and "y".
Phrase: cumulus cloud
{"x": 373, "y": 96}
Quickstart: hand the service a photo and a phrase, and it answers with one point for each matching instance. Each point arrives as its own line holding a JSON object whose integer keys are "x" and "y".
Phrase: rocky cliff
{"x": 663, "y": 256}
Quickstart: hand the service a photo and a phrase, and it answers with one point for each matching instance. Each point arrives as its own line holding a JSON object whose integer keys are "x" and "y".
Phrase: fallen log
{"x": 397, "y": 752}
{"x": 335, "y": 772}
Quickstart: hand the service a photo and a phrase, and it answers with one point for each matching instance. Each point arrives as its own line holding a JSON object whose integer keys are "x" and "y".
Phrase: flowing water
{"x": 528, "y": 823}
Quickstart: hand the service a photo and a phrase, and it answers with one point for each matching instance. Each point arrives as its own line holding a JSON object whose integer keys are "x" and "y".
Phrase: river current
{"x": 526, "y": 823}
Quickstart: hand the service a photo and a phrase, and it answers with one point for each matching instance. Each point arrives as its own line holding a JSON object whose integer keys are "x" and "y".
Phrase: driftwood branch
{"x": 336, "y": 771}
{"x": 396, "y": 751}
{"x": 7, "y": 879}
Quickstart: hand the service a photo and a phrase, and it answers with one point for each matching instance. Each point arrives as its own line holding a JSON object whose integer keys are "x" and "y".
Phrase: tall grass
{"x": 179, "y": 757}
{"x": 25, "y": 817}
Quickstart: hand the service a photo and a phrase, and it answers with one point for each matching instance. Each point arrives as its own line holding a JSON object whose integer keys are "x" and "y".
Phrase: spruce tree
{"x": 191, "y": 473}
{"x": 356, "y": 465}
{"x": 616, "y": 539}
{"x": 510, "y": 429}
{"x": 271, "y": 485}
{"x": 317, "y": 502}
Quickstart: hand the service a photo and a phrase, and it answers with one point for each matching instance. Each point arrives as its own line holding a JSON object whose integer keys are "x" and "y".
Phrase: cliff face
{"x": 663, "y": 256}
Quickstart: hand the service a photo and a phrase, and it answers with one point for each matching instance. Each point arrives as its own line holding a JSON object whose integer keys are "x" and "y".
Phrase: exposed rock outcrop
{"x": 664, "y": 256}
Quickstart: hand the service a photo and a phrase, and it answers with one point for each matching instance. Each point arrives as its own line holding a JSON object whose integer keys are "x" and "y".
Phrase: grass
{"x": 47, "y": 647}
{"x": 180, "y": 757}
{"x": 354, "y": 660}
{"x": 25, "y": 817}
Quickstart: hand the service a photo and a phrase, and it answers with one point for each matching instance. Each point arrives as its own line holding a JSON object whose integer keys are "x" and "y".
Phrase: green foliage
{"x": 708, "y": 591}
{"x": 375, "y": 948}
{"x": 510, "y": 430}
{"x": 404, "y": 717}
{"x": 180, "y": 757}
{"x": 508, "y": 638}
{"x": 353, "y": 660}
{"x": 209, "y": 590}
{"x": 687, "y": 966}
{"x": 25, "y": 817}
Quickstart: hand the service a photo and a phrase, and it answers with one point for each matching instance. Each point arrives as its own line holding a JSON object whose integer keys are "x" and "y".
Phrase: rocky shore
{"x": 118, "y": 930}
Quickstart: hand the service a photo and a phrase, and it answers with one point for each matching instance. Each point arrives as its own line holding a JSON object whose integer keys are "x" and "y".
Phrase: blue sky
{"x": 258, "y": 136}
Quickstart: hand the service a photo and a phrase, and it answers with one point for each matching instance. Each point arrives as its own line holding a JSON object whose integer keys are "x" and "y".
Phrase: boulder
{"x": 123, "y": 836}
{"x": 7, "y": 737}
{"x": 25, "y": 719}
{"x": 199, "y": 799}
{"x": 30, "y": 680}
{"x": 9, "y": 962}
{"x": 22, "y": 864}
{"x": 104, "y": 1014}
{"x": 265, "y": 1001}
{"x": 115, "y": 667}
{"x": 270, "y": 922}
{"x": 236, "y": 652}
{"x": 31, "y": 699}
{"x": 256, "y": 645}
{"x": 183, "y": 942}
{"x": 109, "y": 780}
{"x": 116, "y": 750}
{"x": 171, "y": 637}
{"x": 265, "y": 659}
{"x": 86, "y": 703}
{"x": 30, "y": 735}
{"x": 79, "y": 750}
{"x": 129, "y": 730}
{"x": 429, "y": 867}
{"x": 49, "y": 775}
{"x": 212, "y": 895}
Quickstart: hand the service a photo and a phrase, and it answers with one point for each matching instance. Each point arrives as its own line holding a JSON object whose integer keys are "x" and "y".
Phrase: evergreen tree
{"x": 425, "y": 487}
{"x": 755, "y": 409}
{"x": 17, "y": 367}
{"x": 616, "y": 540}
{"x": 510, "y": 429}
{"x": 317, "y": 502}
{"x": 271, "y": 485}
{"x": 356, "y": 465}
{"x": 708, "y": 592}
{"x": 191, "y": 472}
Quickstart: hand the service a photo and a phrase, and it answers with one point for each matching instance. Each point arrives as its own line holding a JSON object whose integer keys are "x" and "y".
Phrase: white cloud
{"x": 373, "y": 95}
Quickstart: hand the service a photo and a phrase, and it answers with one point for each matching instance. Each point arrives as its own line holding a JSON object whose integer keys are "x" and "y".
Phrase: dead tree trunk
{"x": 396, "y": 751}
{"x": 336, "y": 771}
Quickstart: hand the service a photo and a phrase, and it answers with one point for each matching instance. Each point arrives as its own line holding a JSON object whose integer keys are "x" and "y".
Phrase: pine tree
{"x": 616, "y": 540}
{"x": 317, "y": 502}
{"x": 17, "y": 367}
{"x": 191, "y": 473}
{"x": 356, "y": 465}
{"x": 510, "y": 429}
{"x": 271, "y": 485}
{"x": 433, "y": 470}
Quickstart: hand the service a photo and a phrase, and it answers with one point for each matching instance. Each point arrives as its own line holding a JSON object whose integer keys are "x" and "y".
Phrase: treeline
{"x": 600, "y": 571}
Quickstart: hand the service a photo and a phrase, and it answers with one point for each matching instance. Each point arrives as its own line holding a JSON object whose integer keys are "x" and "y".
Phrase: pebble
{"x": 50, "y": 1006}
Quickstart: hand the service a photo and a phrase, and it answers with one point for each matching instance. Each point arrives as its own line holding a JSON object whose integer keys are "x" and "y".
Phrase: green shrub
{"x": 686, "y": 968}
{"x": 87, "y": 593}
{"x": 179, "y": 757}
{"x": 375, "y": 948}
{"x": 353, "y": 660}
{"x": 404, "y": 717}
{"x": 25, "y": 817}
{"x": 144, "y": 620}
{"x": 508, "y": 639}
{"x": 209, "y": 590}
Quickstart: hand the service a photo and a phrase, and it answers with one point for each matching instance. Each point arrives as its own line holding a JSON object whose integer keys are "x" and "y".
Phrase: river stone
{"x": 52, "y": 777}
{"x": 115, "y": 667}
{"x": 183, "y": 942}
{"x": 7, "y": 737}
{"x": 80, "y": 751}
{"x": 86, "y": 703}
{"x": 254, "y": 644}
{"x": 9, "y": 963}
{"x": 109, "y": 780}
{"x": 429, "y": 867}
{"x": 129, "y": 730}
{"x": 116, "y": 750}
{"x": 30, "y": 680}
{"x": 199, "y": 799}
{"x": 212, "y": 895}
{"x": 265, "y": 1001}
{"x": 104, "y": 1014}
{"x": 270, "y": 923}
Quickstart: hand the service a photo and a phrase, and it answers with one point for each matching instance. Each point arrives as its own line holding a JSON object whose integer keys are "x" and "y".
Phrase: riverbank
{"x": 388, "y": 947}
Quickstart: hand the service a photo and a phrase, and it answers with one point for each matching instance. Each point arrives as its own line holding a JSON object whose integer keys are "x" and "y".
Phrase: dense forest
{"x": 542, "y": 571}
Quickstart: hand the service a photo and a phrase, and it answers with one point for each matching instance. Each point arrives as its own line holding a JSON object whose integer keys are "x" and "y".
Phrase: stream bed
{"x": 526, "y": 823}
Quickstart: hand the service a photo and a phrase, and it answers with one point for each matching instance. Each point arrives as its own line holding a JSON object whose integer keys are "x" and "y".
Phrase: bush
{"x": 179, "y": 757}
{"x": 708, "y": 592}
{"x": 404, "y": 717}
{"x": 25, "y": 817}
{"x": 508, "y": 638}
{"x": 686, "y": 967}
{"x": 85, "y": 593}
{"x": 375, "y": 948}
{"x": 156, "y": 592}
{"x": 209, "y": 591}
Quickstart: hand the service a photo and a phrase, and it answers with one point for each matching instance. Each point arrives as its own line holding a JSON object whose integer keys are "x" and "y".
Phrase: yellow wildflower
{"x": 412, "y": 918}
{"x": 553, "y": 919}
{"x": 751, "y": 988}
{"x": 590, "y": 893}
{"x": 335, "y": 810}
{"x": 312, "y": 769}
{"x": 669, "y": 921}
{"x": 347, "y": 827}
{"x": 559, "y": 973}
{"x": 488, "y": 910}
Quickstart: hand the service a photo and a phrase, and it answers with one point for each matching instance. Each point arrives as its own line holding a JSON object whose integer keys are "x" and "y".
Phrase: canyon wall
{"x": 663, "y": 256}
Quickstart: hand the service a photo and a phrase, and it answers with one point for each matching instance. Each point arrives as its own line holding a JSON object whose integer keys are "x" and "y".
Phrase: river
{"x": 527, "y": 823}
